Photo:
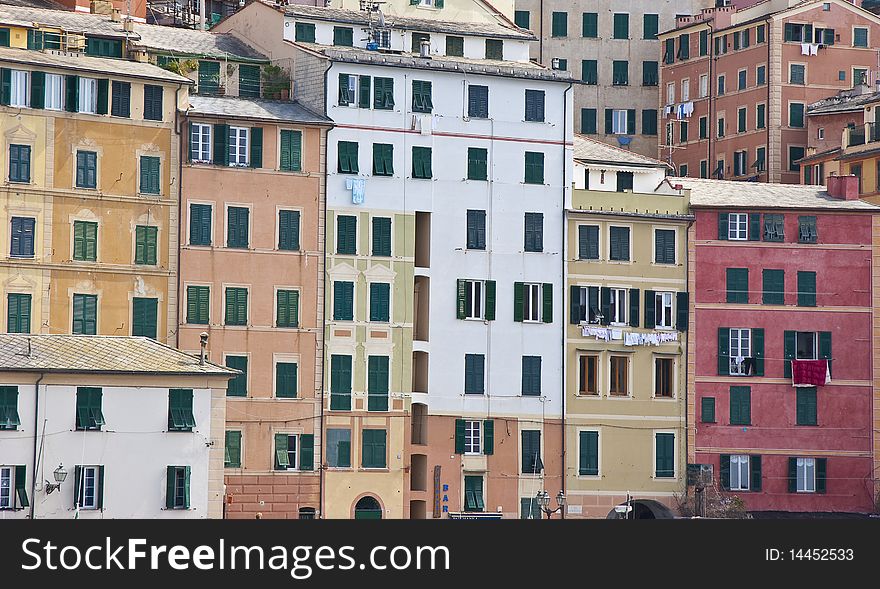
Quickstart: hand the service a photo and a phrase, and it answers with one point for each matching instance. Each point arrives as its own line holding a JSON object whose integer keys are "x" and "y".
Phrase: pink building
{"x": 735, "y": 83}
{"x": 784, "y": 273}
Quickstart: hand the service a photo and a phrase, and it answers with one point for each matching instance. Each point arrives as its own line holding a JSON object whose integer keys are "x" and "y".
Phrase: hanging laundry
{"x": 805, "y": 48}
{"x": 358, "y": 189}
{"x": 688, "y": 109}
{"x": 814, "y": 49}
{"x": 809, "y": 373}
{"x": 616, "y": 334}
{"x": 749, "y": 366}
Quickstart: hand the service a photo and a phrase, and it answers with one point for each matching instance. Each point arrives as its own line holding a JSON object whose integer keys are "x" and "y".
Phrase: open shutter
{"x": 605, "y": 304}
{"x": 460, "y": 312}
{"x": 71, "y": 99}
{"x": 682, "y": 311}
{"x": 490, "y": 300}
{"x": 21, "y": 487}
{"x": 547, "y": 311}
{"x": 725, "y": 472}
{"x": 169, "y": 487}
{"x": 281, "y": 459}
{"x": 256, "y": 147}
{"x": 5, "y": 86}
{"x": 792, "y": 475}
{"x": 631, "y": 121}
{"x": 364, "y": 91}
{"x": 609, "y": 121}
{"x": 103, "y": 96}
{"x": 307, "y": 452}
{"x": 788, "y": 341}
{"x": 825, "y": 347}
{"x": 77, "y": 485}
{"x": 99, "y": 500}
{"x": 38, "y": 89}
{"x": 724, "y": 351}
{"x": 488, "y": 437}
{"x": 459, "y": 436}
{"x": 650, "y": 321}
{"x": 758, "y": 353}
{"x": 221, "y": 145}
{"x": 754, "y": 227}
{"x": 634, "y": 308}
{"x": 518, "y": 301}
{"x": 821, "y": 474}
{"x": 187, "y": 475}
{"x": 755, "y": 465}
{"x": 574, "y": 306}
{"x": 722, "y": 225}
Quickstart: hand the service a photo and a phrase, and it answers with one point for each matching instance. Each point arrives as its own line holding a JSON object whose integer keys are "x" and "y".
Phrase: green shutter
{"x": 233, "y": 450}
{"x": 774, "y": 287}
{"x": 665, "y": 466}
{"x": 307, "y": 452}
{"x": 758, "y": 350}
{"x": 169, "y": 486}
{"x": 282, "y": 461}
{"x": 377, "y": 383}
{"x": 488, "y": 437}
{"x": 103, "y": 96}
{"x": 682, "y": 311}
{"x": 18, "y": 313}
{"x": 71, "y": 99}
{"x": 221, "y": 145}
{"x": 725, "y": 471}
{"x": 740, "y": 406}
{"x": 144, "y": 317}
{"x": 825, "y": 348}
{"x": 197, "y": 304}
{"x": 650, "y": 321}
{"x": 707, "y": 409}
{"x": 459, "y": 436}
{"x": 609, "y": 121}
{"x": 460, "y": 287}
{"x": 589, "y": 454}
{"x": 806, "y": 289}
{"x": 724, "y": 351}
{"x": 518, "y": 301}
{"x": 146, "y": 239}
{"x": 806, "y": 406}
{"x": 547, "y": 311}
{"x": 789, "y": 343}
{"x": 821, "y": 474}
{"x": 489, "y": 312}
{"x": 237, "y": 386}
{"x": 792, "y": 475}
{"x": 723, "y": 225}
{"x": 754, "y": 227}
{"x": 364, "y": 84}
{"x": 21, "y": 487}
{"x": 256, "y": 147}
{"x": 38, "y": 89}
{"x": 286, "y": 380}
{"x": 288, "y": 230}
{"x": 634, "y": 308}
{"x": 755, "y": 467}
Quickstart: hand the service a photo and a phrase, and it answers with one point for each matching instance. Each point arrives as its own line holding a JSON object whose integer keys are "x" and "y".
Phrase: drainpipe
{"x": 563, "y": 258}
{"x": 324, "y": 318}
{"x": 180, "y": 212}
{"x": 36, "y": 427}
{"x": 711, "y": 123}
{"x": 541, "y": 33}
{"x": 767, "y": 108}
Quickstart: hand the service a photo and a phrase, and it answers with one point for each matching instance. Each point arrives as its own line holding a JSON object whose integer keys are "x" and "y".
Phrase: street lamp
{"x": 60, "y": 474}
{"x": 542, "y": 498}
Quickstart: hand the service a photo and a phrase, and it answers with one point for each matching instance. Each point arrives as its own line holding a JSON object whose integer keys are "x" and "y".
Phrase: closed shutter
{"x": 288, "y": 230}
{"x": 634, "y": 308}
{"x": 774, "y": 287}
{"x": 589, "y": 454}
{"x": 806, "y": 286}
{"x": 547, "y": 311}
{"x": 286, "y": 380}
{"x": 18, "y": 315}
{"x": 379, "y": 301}
{"x": 740, "y": 405}
{"x": 682, "y": 311}
{"x": 200, "y": 224}
{"x": 489, "y": 314}
{"x": 650, "y": 321}
{"x": 723, "y": 225}
{"x": 237, "y": 386}
{"x": 340, "y": 382}
{"x": 518, "y": 301}
{"x": 724, "y": 351}
{"x": 758, "y": 351}
{"x": 38, "y": 89}
{"x": 707, "y": 409}
{"x": 307, "y": 452}
{"x": 144, "y": 317}
{"x": 221, "y": 145}
{"x": 725, "y": 471}
{"x": 488, "y": 437}
{"x": 665, "y": 466}
{"x": 256, "y": 159}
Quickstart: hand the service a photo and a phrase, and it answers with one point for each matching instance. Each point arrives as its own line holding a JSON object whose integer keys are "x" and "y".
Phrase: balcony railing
{"x": 855, "y": 136}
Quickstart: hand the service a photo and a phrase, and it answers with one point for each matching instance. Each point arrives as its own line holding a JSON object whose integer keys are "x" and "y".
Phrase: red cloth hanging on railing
{"x": 809, "y": 373}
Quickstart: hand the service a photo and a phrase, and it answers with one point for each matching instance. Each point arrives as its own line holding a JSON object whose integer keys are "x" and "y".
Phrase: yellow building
{"x": 627, "y": 335}
{"x": 89, "y": 193}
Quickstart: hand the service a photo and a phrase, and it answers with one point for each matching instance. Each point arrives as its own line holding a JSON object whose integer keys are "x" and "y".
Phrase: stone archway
{"x": 367, "y": 507}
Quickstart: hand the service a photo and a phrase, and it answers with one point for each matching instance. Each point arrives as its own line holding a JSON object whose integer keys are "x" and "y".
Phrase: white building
{"x": 138, "y": 427}
{"x": 446, "y": 131}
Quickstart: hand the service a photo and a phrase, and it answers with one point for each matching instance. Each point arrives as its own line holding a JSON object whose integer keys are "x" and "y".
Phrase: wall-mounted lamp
{"x": 60, "y": 474}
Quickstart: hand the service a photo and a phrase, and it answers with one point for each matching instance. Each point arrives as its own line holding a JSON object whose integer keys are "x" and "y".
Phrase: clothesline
{"x": 772, "y": 358}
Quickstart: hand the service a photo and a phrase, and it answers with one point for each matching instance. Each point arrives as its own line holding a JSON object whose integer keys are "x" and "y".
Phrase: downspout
{"x": 541, "y": 34}
{"x": 324, "y": 317}
{"x": 711, "y": 123}
{"x": 180, "y": 212}
{"x": 767, "y": 108}
{"x": 36, "y": 428}
{"x": 687, "y": 347}
{"x": 563, "y": 259}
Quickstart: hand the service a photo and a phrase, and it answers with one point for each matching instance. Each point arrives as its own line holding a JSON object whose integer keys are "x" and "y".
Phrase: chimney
{"x": 843, "y": 187}
{"x": 128, "y": 25}
{"x": 425, "y": 49}
{"x": 115, "y": 15}
{"x": 203, "y": 339}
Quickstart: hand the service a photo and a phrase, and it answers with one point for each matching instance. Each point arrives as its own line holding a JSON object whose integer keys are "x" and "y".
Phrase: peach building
{"x": 252, "y": 278}
{"x": 735, "y": 83}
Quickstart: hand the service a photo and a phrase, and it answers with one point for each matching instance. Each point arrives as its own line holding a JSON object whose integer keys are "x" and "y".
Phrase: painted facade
{"x": 771, "y": 284}
{"x": 626, "y": 273}
{"x": 734, "y": 95}
{"x": 612, "y": 48}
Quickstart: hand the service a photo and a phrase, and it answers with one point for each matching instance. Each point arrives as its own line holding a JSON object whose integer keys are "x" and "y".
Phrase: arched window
{"x": 306, "y": 513}
{"x": 367, "y": 508}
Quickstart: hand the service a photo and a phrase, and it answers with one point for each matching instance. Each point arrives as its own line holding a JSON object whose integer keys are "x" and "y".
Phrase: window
{"x": 89, "y": 487}
{"x": 18, "y": 318}
{"x": 618, "y": 239}
{"x": 650, "y": 26}
{"x": 737, "y": 285}
{"x": 805, "y": 469}
{"x": 664, "y": 377}
{"x": 619, "y": 375}
{"x": 741, "y": 80}
{"x": 806, "y": 289}
{"x": 704, "y": 129}
{"x": 474, "y": 374}
{"x": 796, "y": 114}
{"x": 200, "y": 224}
{"x": 19, "y": 163}
{"x": 534, "y": 232}
{"x": 232, "y": 457}
{"x": 649, "y": 121}
{"x": 707, "y": 409}
{"x": 531, "y": 302}
{"x": 237, "y": 386}
{"x": 380, "y": 294}
{"x": 285, "y": 451}
{"x": 286, "y": 384}
{"x": 383, "y": 93}
{"x": 704, "y": 85}
{"x": 664, "y": 455}
{"x": 495, "y": 49}
{"x": 761, "y": 75}
{"x": 741, "y": 114}
{"x": 760, "y": 157}
{"x": 620, "y": 121}
{"x": 531, "y": 452}
{"x": 807, "y": 232}
{"x": 88, "y": 408}
{"x": 304, "y": 32}
{"x": 860, "y": 37}
{"x": 153, "y": 101}
{"x": 236, "y": 306}
{"x": 377, "y": 383}
{"x": 120, "y": 99}
{"x": 521, "y": 18}
{"x": 198, "y": 300}
{"x": 534, "y": 167}
{"x": 795, "y": 153}
{"x": 454, "y": 46}
{"x": 417, "y": 39}
{"x": 180, "y": 410}
{"x": 343, "y": 301}
{"x": 559, "y": 27}
{"x": 590, "y": 71}
{"x": 721, "y": 81}
{"x": 620, "y": 73}
{"x": 531, "y": 375}
{"x": 534, "y": 105}
{"x": 774, "y": 287}
{"x": 343, "y": 36}
{"x": 85, "y": 314}
{"x": 145, "y": 245}
{"x": 683, "y": 130}
{"x": 740, "y": 163}
{"x": 618, "y": 308}
{"x": 477, "y": 166}
{"x": 740, "y": 473}
{"x": 338, "y": 448}
{"x": 373, "y": 448}
{"x": 346, "y": 234}
{"x": 684, "y": 46}
{"x": 84, "y": 96}
{"x": 664, "y": 246}
{"x": 740, "y": 349}
{"x": 473, "y": 298}
{"x": 86, "y": 169}
{"x": 797, "y": 74}
{"x": 421, "y": 163}
{"x": 760, "y": 116}
{"x": 9, "y": 419}
{"x": 340, "y": 382}
{"x": 18, "y": 91}
{"x": 199, "y": 143}
{"x": 421, "y": 99}
{"x": 798, "y": 32}
{"x": 53, "y": 97}
{"x": 144, "y": 317}
{"x": 238, "y": 146}
{"x": 150, "y": 179}
{"x": 588, "y": 242}
{"x": 381, "y": 236}
{"x": 686, "y": 89}
{"x": 237, "y": 227}
{"x": 662, "y": 310}
{"x": 476, "y": 230}
{"x": 472, "y": 437}
{"x": 588, "y": 374}
{"x": 287, "y": 308}
{"x": 806, "y": 406}
{"x": 621, "y": 26}
{"x": 473, "y": 493}
{"x": 590, "y": 27}
{"x": 383, "y": 159}
{"x": 738, "y": 226}
{"x": 478, "y": 101}
{"x": 740, "y": 405}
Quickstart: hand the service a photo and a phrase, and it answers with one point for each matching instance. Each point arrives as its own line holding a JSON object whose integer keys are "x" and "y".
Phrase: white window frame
{"x": 239, "y": 144}
{"x": 820, "y": 134}
{"x": 806, "y": 475}
{"x": 738, "y": 231}
{"x": 721, "y": 82}
{"x": 704, "y": 85}
{"x": 867, "y": 37}
{"x": 670, "y": 93}
{"x": 685, "y": 89}
{"x": 294, "y": 464}
{"x": 619, "y": 122}
{"x": 532, "y": 302}
{"x": 182, "y": 504}
{"x": 473, "y": 437}
{"x": 54, "y": 94}
{"x": 7, "y": 487}
{"x": 477, "y": 291}
{"x": 803, "y": 65}
{"x": 740, "y": 72}
{"x": 664, "y": 302}
{"x": 88, "y": 96}
{"x": 740, "y": 344}
{"x": 19, "y": 87}
{"x": 84, "y": 485}
{"x": 740, "y": 464}
{"x": 203, "y": 132}
{"x": 619, "y": 305}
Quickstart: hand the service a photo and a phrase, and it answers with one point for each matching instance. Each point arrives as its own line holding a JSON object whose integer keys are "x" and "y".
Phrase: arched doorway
{"x": 642, "y": 509}
{"x": 367, "y": 508}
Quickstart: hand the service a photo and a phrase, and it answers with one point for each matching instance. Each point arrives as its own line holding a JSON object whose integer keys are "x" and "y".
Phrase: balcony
{"x": 855, "y": 136}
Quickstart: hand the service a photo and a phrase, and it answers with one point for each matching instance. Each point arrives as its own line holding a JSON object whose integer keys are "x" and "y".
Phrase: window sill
{"x": 588, "y": 395}
{"x": 618, "y": 396}
{"x": 589, "y": 477}
{"x": 374, "y": 469}
{"x": 655, "y": 397}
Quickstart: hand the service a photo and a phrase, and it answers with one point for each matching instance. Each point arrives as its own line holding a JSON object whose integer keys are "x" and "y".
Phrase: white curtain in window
{"x": 88, "y": 95}
{"x": 19, "y": 91}
{"x": 54, "y": 99}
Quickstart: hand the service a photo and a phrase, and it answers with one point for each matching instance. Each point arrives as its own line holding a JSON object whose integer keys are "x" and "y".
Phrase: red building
{"x": 781, "y": 273}
{"x": 735, "y": 82}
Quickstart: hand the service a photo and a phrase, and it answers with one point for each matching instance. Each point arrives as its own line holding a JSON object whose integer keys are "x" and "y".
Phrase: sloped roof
{"x": 763, "y": 195}
{"x": 838, "y": 103}
{"x": 357, "y": 17}
{"x": 592, "y": 151}
{"x": 86, "y": 63}
{"x": 253, "y": 108}
{"x": 99, "y": 354}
